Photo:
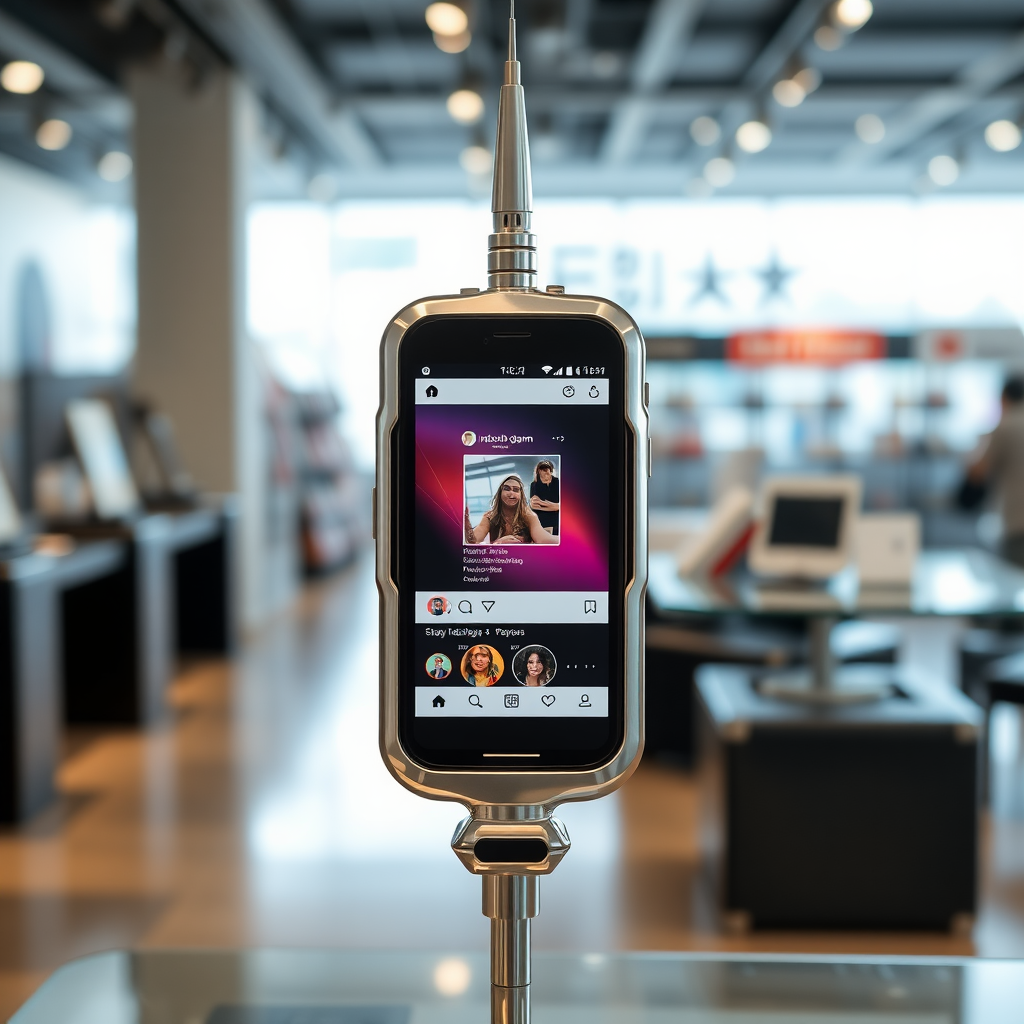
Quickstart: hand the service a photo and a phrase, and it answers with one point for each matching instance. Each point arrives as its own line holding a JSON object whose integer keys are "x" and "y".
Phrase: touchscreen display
{"x": 516, "y": 555}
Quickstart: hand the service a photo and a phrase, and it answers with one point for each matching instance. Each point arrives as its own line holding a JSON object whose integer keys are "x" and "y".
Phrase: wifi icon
{"x": 546, "y": 369}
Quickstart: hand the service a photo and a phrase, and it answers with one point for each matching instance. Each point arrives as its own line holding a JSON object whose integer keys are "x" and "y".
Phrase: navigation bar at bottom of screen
{"x": 503, "y": 702}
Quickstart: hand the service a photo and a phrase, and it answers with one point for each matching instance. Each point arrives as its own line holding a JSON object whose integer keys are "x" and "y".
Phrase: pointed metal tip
{"x": 511, "y": 30}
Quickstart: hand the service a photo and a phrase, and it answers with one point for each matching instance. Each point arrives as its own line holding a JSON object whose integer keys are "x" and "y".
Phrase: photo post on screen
{"x": 511, "y": 499}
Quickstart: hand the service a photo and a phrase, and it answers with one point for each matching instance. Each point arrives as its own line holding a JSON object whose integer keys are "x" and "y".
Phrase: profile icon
{"x": 438, "y": 666}
{"x": 534, "y": 666}
{"x": 482, "y": 665}
{"x": 469, "y": 438}
{"x": 439, "y": 605}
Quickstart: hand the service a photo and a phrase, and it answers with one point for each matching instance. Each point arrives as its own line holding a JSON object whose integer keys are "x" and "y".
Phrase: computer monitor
{"x": 806, "y": 526}
{"x": 98, "y": 444}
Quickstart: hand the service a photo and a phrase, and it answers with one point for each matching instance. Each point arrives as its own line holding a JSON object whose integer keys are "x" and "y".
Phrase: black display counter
{"x": 860, "y": 815}
{"x": 30, "y": 644}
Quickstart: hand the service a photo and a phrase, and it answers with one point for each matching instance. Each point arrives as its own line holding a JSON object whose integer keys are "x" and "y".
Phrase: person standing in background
{"x": 1001, "y": 465}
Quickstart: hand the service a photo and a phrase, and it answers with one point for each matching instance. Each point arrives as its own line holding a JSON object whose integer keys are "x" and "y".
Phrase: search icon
{"x": 466, "y": 607}
{"x": 474, "y": 699}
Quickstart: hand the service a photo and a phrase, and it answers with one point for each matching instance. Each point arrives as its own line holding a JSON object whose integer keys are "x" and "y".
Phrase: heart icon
{"x": 547, "y": 699}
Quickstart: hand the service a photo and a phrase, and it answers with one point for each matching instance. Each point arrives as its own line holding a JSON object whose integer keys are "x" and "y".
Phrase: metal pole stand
{"x": 510, "y": 847}
{"x": 823, "y": 682}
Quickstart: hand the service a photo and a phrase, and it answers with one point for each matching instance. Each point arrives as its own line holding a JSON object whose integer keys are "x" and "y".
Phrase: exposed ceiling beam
{"x": 262, "y": 46}
{"x": 577, "y": 20}
{"x": 769, "y": 63}
{"x": 792, "y": 33}
{"x": 667, "y": 32}
{"x": 936, "y": 106}
{"x": 678, "y": 102}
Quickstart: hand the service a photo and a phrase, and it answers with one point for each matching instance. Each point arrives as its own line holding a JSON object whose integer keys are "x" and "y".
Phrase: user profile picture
{"x": 438, "y": 605}
{"x": 534, "y": 666}
{"x": 438, "y": 666}
{"x": 482, "y": 665}
{"x": 468, "y": 438}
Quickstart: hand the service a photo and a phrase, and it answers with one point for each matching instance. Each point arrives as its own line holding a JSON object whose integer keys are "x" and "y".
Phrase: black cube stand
{"x": 855, "y": 816}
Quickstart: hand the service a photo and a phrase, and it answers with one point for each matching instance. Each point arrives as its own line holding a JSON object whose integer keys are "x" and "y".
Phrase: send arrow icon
{"x": 488, "y": 605}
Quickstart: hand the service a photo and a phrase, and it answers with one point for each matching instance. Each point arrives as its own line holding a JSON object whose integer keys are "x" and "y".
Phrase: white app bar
{"x": 500, "y": 606}
{"x": 512, "y": 391}
{"x": 511, "y": 702}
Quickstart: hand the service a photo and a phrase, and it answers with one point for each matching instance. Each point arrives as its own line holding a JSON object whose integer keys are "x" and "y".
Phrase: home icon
{"x": 431, "y": 392}
{"x": 438, "y": 701}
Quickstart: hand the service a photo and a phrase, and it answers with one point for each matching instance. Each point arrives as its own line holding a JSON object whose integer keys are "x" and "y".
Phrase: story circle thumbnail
{"x": 482, "y": 665}
{"x": 438, "y": 666}
{"x": 534, "y": 665}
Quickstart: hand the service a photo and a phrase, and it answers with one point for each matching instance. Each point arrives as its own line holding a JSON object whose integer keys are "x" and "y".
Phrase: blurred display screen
{"x": 99, "y": 447}
{"x": 806, "y": 522}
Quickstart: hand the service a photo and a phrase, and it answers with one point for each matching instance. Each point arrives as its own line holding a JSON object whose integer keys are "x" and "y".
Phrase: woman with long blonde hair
{"x": 509, "y": 520}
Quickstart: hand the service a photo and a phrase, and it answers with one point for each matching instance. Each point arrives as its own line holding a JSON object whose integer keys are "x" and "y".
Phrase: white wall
{"x": 85, "y": 253}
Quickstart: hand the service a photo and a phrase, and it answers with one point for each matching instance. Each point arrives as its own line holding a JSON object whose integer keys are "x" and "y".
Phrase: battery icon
{"x": 568, "y": 371}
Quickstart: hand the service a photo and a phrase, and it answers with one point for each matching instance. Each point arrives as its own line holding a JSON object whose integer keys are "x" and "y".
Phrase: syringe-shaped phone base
{"x": 510, "y": 847}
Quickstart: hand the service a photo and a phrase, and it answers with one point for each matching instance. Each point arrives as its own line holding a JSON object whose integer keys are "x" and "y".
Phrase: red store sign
{"x": 826, "y": 347}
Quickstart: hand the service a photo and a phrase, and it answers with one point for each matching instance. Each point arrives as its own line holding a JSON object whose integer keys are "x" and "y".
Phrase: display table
{"x": 332, "y": 987}
{"x": 965, "y": 582}
{"x": 829, "y": 814}
{"x": 121, "y": 633}
{"x": 30, "y": 691}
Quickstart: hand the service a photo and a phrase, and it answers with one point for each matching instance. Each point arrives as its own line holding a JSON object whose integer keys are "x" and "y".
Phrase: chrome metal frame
{"x": 534, "y": 792}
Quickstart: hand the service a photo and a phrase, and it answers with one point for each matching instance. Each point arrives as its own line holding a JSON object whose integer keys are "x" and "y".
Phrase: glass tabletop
{"x": 967, "y": 581}
{"x": 333, "y": 987}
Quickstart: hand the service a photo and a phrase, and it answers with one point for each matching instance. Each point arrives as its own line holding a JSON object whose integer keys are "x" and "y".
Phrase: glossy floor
{"x": 261, "y": 815}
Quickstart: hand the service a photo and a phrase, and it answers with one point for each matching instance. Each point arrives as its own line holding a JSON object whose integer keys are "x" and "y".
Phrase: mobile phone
{"x": 510, "y": 518}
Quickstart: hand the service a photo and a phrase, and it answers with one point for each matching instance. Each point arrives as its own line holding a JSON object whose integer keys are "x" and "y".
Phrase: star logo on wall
{"x": 775, "y": 275}
{"x": 709, "y": 283}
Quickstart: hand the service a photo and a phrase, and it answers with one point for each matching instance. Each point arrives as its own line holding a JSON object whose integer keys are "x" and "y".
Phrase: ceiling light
{"x": 753, "y": 136}
{"x": 21, "y": 76}
{"x": 1002, "y": 136}
{"x": 808, "y": 79}
{"x": 828, "y": 37}
{"x": 719, "y": 171}
{"x": 870, "y": 128}
{"x": 446, "y": 19}
{"x": 852, "y": 14}
{"x": 705, "y": 131}
{"x": 452, "y": 44}
{"x": 466, "y": 106}
{"x": 943, "y": 169}
{"x": 114, "y": 166}
{"x": 53, "y": 134}
{"x": 475, "y": 160}
{"x": 788, "y": 92}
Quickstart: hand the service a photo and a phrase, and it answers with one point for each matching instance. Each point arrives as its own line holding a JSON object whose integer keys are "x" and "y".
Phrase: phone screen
{"x": 513, "y": 490}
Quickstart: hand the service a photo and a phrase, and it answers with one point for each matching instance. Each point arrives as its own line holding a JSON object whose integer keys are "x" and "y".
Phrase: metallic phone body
{"x": 514, "y": 788}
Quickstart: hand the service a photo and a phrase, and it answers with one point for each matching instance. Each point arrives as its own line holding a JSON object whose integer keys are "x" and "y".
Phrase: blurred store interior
{"x": 209, "y": 212}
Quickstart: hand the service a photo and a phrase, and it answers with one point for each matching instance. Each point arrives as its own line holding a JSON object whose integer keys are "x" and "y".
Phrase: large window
{"x": 326, "y": 281}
